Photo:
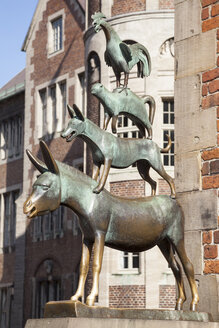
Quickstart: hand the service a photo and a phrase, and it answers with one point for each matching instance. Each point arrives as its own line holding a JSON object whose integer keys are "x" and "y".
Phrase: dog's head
{"x": 76, "y": 125}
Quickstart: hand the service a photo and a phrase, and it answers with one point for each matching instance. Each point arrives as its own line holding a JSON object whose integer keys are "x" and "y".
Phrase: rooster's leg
{"x": 126, "y": 78}
{"x": 118, "y": 77}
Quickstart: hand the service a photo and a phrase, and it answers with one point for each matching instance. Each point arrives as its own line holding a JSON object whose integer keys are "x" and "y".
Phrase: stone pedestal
{"x": 69, "y": 314}
{"x": 115, "y": 323}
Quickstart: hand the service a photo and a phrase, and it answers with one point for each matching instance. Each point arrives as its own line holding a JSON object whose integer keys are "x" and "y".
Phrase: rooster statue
{"x": 119, "y": 55}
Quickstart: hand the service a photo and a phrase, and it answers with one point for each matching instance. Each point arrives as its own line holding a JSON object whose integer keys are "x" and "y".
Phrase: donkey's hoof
{"x": 90, "y": 301}
{"x": 193, "y": 307}
{"x": 75, "y": 298}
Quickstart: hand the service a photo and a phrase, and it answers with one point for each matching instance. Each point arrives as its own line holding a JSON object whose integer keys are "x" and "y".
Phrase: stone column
{"x": 196, "y": 140}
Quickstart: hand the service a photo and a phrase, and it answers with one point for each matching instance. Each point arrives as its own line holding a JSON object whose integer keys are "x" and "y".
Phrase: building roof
{"x": 82, "y": 3}
{"x": 15, "y": 85}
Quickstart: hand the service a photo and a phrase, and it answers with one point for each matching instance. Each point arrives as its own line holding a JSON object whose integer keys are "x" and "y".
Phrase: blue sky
{"x": 15, "y": 18}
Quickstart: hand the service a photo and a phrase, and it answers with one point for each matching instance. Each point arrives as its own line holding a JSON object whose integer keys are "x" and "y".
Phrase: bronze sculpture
{"x": 116, "y": 103}
{"x": 111, "y": 151}
{"x": 119, "y": 55}
{"x": 132, "y": 225}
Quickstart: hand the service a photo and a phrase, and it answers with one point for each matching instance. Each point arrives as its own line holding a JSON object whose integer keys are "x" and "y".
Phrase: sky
{"x": 15, "y": 19}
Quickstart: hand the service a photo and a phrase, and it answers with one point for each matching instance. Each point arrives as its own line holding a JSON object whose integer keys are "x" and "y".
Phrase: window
{"x": 6, "y": 298}
{"x": 126, "y": 128}
{"x": 62, "y": 87}
{"x": 43, "y": 100}
{"x": 8, "y": 202}
{"x": 130, "y": 262}
{"x": 52, "y": 109}
{"x": 57, "y": 34}
{"x": 53, "y": 106}
{"x": 46, "y": 291}
{"x": 11, "y": 137}
{"x": 168, "y": 129}
{"x": 49, "y": 226}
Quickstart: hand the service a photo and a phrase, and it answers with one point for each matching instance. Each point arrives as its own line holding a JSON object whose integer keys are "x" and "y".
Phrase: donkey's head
{"x": 76, "y": 125}
{"x": 98, "y": 18}
{"x": 46, "y": 194}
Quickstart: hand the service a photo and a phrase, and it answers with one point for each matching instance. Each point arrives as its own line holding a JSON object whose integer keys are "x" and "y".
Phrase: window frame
{"x": 54, "y": 123}
{"x": 11, "y": 138}
{"x": 59, "y": 15}
{"x": 169, "y": 127}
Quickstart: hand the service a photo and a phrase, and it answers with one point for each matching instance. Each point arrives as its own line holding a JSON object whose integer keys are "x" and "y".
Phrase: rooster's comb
{"x": 98, "y": 16}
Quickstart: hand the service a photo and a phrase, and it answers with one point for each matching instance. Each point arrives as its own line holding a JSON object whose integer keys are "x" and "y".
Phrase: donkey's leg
{"x": 95, "y": 171}
{"x": 84, "y": 267}
{"x": 107, "y": 166}
{"x": 97, "y": 263}
{"x": 189, "y": 271}
{"x": 143, "y": 169}
{"x": 167, "y": 251}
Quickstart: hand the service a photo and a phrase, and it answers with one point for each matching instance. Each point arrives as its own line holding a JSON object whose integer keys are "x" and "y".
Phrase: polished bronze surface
{"x": 115, "y": 152}
{"x": 122, "y": 57}
{"x": 132, "y": 225}
{"x": 79, "y": 310}
{"x": 128, "y": 103}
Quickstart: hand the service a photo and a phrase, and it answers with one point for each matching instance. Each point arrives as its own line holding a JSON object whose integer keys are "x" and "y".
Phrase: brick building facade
{"x": 196, "y": 127}
{"x": 64, "y": 59}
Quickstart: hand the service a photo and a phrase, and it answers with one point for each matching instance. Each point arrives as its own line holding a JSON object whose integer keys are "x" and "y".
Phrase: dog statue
{"x": 117, "y": 152}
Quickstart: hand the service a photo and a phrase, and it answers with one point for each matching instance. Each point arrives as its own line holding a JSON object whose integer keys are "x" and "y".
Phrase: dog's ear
{"x": 78, "y": 113}
{"x": 71, "y": 111}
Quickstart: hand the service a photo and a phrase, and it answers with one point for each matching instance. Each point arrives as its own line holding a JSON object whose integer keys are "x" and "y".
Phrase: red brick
{"x": 211, "y": 266}
{"x": 218, "y": 60}
{"x": 215, "y": 10}
{"x": 124, "y": 6}
{"x": 216, "y": 237}
{"x": 209, "y": 182}
{"x": 210, "y": 75}
{"x": 205, "y": 168}
{"x": 218, "y": 34}
{"x": 214, "y": 167}
{"x": 204, "y": 90}
{"x": 218, "y": 47}
{"x": 210, "y": 101}
{"x": 210, "y": 154}
{"x": 205, "y": 13}
{"x": 214, "y": 86}
{"x": 218, "y": 138}
{"x": 218, "y": 112}
{"x": 207, "y": 237}
{"x": 210, "y": 251}
{"x": 217, "y": 125}
{"x": 207, "y": 2}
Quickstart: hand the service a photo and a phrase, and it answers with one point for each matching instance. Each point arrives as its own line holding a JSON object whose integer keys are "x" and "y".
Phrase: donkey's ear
{"x": 48, "y": 158}
{"x": 36, "y": 162}
{"x": 71, "y": 111}
{"x": 78, "y": 113}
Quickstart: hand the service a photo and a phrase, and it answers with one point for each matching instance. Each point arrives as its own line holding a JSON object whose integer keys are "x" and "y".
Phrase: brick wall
{"x": 128, "y": 296}
{"x": 132, "y": 188}
{"x": 123, "y": 6}
{"x": 166, "y": 4}
{"x": 163, "y": 187}
{"x": 167, "y": 296}
{"x": 210, "y": 156}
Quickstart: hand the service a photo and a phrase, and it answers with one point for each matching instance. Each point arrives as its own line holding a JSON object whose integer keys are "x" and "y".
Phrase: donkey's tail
{"x": 152, "y": 107}
{"x": 167, "y": 148}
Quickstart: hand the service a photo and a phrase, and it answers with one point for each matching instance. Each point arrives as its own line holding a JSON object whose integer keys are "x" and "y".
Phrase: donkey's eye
{"x": 45, "y": 187}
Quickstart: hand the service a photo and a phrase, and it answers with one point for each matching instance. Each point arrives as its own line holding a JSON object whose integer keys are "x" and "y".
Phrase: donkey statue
{"x": 131, "y": 225}
{"x": 110, "y": 151}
